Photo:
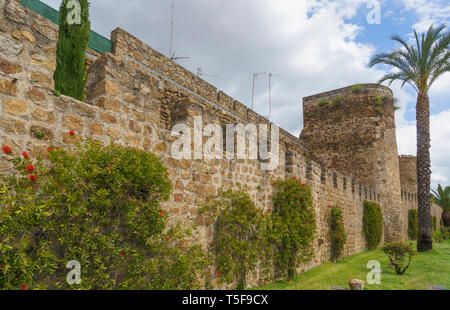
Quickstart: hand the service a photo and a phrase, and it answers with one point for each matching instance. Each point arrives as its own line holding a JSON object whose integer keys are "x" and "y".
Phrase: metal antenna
{"x": 255, "y": 76}
{"x": 171, "y": 54}
{"x": 270, "y": 94}
{"x": 200, "y": 73}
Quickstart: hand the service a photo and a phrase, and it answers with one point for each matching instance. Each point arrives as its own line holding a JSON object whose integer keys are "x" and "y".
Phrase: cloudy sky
{"x": 311, "y": 45}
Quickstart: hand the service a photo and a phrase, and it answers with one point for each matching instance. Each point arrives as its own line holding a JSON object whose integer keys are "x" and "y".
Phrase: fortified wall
{"x": 135, "y": 96}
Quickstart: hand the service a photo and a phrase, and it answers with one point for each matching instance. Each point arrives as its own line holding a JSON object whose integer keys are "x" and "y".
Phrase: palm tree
{"x": 420, "y": 65}
{"x": 442, "y": 198}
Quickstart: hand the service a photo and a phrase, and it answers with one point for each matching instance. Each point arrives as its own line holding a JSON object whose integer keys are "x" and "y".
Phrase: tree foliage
{"x": 239, "y": 244}
{"x": 294, "y": 226}
{"x": 73, "y": 39}
{"x": 372, "y": 224}
{"x": 337, "y": 232}
{"x": 101, "y": 207}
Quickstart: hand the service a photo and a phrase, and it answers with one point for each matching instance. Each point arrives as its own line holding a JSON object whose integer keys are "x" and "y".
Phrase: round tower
{"x": 352, "y": 130}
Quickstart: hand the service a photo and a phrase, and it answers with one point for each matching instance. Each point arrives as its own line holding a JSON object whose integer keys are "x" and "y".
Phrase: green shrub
{"x": 337, "y": 102}
{"x": 322, "y": 103}
{"x": 239, "y": 242}
{"x": 294, "y": 226}
{"x": 70, "y": 73}
{"x": 357, "y": 89}
{"x": 446, "y": 232}
{"x": 101, "y": 207}
{"x": 438, "y": 236}
{"x": 397, "y": 253}
{"x": 337, "y": 232}
{"x": 413, "y": 224}
{"x": 372, "y": 224}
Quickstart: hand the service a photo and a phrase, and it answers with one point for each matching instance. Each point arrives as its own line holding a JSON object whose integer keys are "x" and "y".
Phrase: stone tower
{"x": 352, "y": 130}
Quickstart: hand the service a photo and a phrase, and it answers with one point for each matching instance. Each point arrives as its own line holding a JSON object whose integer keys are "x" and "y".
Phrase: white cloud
{"x": 429, "y": 12}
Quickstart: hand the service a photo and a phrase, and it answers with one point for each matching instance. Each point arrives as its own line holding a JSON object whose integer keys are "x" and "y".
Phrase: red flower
{"x": 123, "y": 253}
{"x": 56, "y": 147}
{"x": 168, "y": 174}
{"x": 32, "y": 177}
{"x": 218, "y": 272}
{"x": 161, "y": 213}
{"x": 23, "y": 288}
{"x": 167, "y": 238}
{"x": 0, "y": 266}
{"x": 6, "y": 149}
{"x": 72, "y": 133}
{"x": 289, "y": 281}
{"x": 266, "y": 279}
{"x": 30, "y": 168}
{"x": 307, "y": 223}
{"x": 25, "y": 155}
{"x": 49, "y": 149}
{"x": 273, "y": 184}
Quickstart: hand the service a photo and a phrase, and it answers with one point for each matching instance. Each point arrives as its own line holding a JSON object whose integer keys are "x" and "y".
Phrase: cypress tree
{"x": 73, "y": 39}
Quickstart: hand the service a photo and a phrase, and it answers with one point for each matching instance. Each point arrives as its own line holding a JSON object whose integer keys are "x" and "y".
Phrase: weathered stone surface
{"x": 109, "y": 104}
{"x": 36, "y": 95}
{"x": 23, "y": 34}
{"x": 73, "y": 122}
{"x": 43, "y": 80}
{"x": 15, "y": 107}
{"x": 108, "y": 118}
{"x": 9, "y": 47}
{"x": 96, "y": 129}
{"x": 44, "y": 116}
{"x": 356, "y": 285}
{"x": 8, "y": 67}
{"x": 12, "y": 126}
{"x": 7, "y": 87}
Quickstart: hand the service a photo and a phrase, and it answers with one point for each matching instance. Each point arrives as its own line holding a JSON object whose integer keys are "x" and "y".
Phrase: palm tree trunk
{"x": 424, "y": 242}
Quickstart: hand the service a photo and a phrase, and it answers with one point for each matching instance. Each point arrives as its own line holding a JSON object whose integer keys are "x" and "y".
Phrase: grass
{"x": 426, "y": 270}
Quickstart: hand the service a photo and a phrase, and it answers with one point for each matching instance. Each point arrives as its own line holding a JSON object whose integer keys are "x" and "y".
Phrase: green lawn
{"x": 426, "y": 270}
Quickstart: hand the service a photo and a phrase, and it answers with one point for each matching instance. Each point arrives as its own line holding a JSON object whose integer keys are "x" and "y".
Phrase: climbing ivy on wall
{"x": 337, "y": 232}
{"x": 239, "y": 244}
{"x": 372, "y": 224}
{"x": 73, "y": 39}
{"x": 294, "y": 226}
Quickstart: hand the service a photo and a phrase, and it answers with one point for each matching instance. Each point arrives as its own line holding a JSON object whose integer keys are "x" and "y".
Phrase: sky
{"x": 311, "y": 46}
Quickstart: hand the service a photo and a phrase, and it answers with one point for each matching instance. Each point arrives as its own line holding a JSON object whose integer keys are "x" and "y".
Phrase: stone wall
{"x": 136, "y": 95}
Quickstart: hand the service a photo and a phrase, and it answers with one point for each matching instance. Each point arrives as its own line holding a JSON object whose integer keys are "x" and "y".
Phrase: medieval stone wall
{"x": 136, "y": 95}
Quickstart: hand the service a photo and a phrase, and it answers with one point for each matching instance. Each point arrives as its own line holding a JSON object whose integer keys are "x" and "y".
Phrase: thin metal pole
{"x": 270, "y": 97}
{"x": 253, "y": 90}
{"x": 171, "y": 29}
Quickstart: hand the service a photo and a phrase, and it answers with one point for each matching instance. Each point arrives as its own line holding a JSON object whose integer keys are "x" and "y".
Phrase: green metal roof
{"x": 97, "y": 42}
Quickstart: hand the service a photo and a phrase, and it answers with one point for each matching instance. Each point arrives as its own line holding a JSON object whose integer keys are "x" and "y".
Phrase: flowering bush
{"x": 397, "y": 253}
{"x": 101, "y": 207}
{"x": 293, "y": 226}
{"x": 372, "y": 224}
{"x": 337, "y": 232}
{"x": 239, "y": 243}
